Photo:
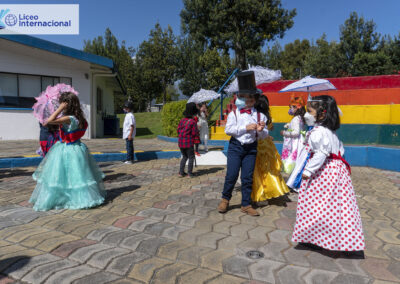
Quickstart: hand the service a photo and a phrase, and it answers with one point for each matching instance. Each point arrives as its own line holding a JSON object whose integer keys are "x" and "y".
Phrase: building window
{"x": 8, "y": 85}
{"x": 28, "y": 86}
{"x": 20, "y": 90}
{"x": 66, "y": 80}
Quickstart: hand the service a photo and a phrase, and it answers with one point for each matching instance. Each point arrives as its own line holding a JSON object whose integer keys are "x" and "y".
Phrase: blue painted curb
{"x": 362, "y": 156}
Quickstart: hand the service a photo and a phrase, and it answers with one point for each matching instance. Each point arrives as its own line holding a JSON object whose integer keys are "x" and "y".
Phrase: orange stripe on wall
{"x": 344, "y": 97}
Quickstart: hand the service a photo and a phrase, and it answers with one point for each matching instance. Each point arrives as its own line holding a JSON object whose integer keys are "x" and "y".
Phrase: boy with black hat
{"x": 187, "y": 131}
{"x": 129, "y": 131}
{"x": 245, "y": 126}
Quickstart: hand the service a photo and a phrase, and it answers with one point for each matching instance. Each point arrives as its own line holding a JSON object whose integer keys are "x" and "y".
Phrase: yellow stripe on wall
{"x": 352, "y": 114}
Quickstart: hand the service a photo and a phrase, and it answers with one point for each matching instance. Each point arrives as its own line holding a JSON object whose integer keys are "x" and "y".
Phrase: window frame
{"x": 18, "y": 88}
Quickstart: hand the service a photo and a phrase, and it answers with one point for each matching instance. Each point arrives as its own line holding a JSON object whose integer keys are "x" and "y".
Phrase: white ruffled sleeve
{"x": 232, "y": 127}
{"x": 321, "y": 147}
{"x": 295, "y": 128}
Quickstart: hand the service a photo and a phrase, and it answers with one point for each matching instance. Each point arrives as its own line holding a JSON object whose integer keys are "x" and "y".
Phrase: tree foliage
{"x": 201, "y": 67}
{"x": 361, "y": 51}
{"x": 158, "y": 60}
{"x": 241, "y": 25}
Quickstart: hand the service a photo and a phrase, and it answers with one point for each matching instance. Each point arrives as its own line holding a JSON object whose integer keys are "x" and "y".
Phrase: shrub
{"x": 171, "y": 114}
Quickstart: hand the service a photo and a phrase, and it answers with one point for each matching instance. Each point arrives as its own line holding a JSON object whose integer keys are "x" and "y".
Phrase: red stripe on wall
{"x": 344, "y": 83}
{"x": 343, "y": 97}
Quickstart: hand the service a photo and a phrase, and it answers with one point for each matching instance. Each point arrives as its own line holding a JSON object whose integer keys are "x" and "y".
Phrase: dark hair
{"x": 262, "y": 105}
{"x": 326, "y": 107}
{"x": 191, "y": 110}
{"x": 301, "y": 111}
{"x": 73, "y": 107}
{"x": 128, "y": 105}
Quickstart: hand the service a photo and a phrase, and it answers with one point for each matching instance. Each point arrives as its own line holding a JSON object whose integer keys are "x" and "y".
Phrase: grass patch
{"x": 216, "y": 115}
{"x": 148, "y": 124}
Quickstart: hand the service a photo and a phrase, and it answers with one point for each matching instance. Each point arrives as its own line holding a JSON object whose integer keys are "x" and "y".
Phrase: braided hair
{"x": 327, "y": 111}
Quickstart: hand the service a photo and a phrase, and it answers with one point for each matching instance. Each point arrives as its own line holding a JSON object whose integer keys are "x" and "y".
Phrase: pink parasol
{"x": 47, "y": 102}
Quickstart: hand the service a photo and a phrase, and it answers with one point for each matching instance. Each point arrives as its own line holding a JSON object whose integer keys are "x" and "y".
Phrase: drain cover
{"x": 254, "y": 254}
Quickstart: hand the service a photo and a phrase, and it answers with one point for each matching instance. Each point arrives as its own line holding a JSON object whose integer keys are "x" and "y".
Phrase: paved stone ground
{"x": 158, "y": 228}
{"x": 29, "y": 147}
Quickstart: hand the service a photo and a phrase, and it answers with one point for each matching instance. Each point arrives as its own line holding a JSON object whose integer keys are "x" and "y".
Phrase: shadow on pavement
{"x": 115, "y": 192}
{"x": 13, "y": 264}
{"x": 7, "y": 173}
{"x": 200, "y": 172}
{"x": 330, "y": 253}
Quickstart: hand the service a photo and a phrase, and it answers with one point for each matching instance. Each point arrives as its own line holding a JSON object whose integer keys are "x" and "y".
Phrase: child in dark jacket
{"x": 187, "y": 131}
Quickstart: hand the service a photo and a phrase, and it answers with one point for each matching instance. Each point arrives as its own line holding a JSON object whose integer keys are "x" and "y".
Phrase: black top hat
{"x": 247, "y": 83}
{"x": 191, "y": 110}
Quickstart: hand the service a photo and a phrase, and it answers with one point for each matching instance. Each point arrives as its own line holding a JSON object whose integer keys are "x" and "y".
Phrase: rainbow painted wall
{"x": 370, "y": 106}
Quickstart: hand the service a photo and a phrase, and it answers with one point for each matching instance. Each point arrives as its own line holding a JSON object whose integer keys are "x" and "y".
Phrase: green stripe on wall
{"x": 384, "y": 134}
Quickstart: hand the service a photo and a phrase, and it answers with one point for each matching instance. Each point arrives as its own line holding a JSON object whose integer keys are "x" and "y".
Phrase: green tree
{"x": 357, "y": 35}
{"x": 216, "y": 65}
{"x": 372, "y": 63}
{"x": 201, "y": 67}
{"x": 391, "y": 47}
{"x": 158, "y": 60}
{"x": 273, "y": 56}
{"x": 292, "y": 59}
{"x": 257, "y": 57}
{"x": 190, "y": 71}
{"x": 241, "y": 25}
{"x": 322, "y": 59}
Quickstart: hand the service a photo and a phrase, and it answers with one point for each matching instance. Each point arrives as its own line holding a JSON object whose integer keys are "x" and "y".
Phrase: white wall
{"x": 17, "y": 58}
{"x": 108, "y": 102}
{"x": 18, "y": 125}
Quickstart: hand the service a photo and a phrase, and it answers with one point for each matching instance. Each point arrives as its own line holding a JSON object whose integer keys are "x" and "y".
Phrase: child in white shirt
{"x": 129, "y": 131}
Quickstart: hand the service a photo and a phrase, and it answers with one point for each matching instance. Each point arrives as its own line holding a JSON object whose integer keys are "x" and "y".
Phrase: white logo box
{"x": 50, "y": 19}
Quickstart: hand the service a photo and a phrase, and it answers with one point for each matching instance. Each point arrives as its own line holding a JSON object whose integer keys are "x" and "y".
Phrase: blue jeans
{"x": 129, "y": 150}
{"x": 240, "y": 156}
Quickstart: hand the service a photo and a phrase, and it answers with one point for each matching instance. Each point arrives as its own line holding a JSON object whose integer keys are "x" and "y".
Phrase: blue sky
{"x": 131, "y": 20}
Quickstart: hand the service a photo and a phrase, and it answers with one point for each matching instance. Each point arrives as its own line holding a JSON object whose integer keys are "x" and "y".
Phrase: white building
{"x": 28, "y": 65}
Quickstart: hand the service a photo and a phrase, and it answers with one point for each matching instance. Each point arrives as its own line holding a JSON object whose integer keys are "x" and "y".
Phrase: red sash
{"x": 73, "y": 136}
{"x": 339, "y": 157}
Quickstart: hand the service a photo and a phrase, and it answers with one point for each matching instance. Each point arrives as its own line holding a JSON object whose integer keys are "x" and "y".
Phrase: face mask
{"x": 310, "y": 120}
{"x": 240, "y": 103}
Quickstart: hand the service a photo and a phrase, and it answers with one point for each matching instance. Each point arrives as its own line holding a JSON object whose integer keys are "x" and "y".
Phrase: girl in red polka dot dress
{"x": 327, "y": 212}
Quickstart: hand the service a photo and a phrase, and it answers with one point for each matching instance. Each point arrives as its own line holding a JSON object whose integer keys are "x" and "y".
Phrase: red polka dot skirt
{"x": 327, "y": 212}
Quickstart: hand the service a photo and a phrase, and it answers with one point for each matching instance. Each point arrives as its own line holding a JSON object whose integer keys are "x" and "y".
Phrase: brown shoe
{"x": 249, "y": 210}
{"x": 223, "y": 206}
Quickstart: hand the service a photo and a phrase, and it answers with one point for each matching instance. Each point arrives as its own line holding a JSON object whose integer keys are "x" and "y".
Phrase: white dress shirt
{"x": 236, "y": 126}
{"x": 322, "y": 142}
{"x": 128, "y": 122}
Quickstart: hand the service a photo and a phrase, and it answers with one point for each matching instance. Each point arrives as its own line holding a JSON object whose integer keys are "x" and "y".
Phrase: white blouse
{"x": 322, "y": 142}
{"x": 236, "y": 126}
{"x": 294, "y": 127}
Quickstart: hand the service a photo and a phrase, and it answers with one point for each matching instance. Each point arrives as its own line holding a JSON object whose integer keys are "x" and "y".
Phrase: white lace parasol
{"x": 203, "y": 96}
{"x": 262, "y": 75}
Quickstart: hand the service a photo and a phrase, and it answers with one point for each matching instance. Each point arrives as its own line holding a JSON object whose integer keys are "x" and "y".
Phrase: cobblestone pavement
{"x": 158, "y": 228}
{"x": 29, "y": 147}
